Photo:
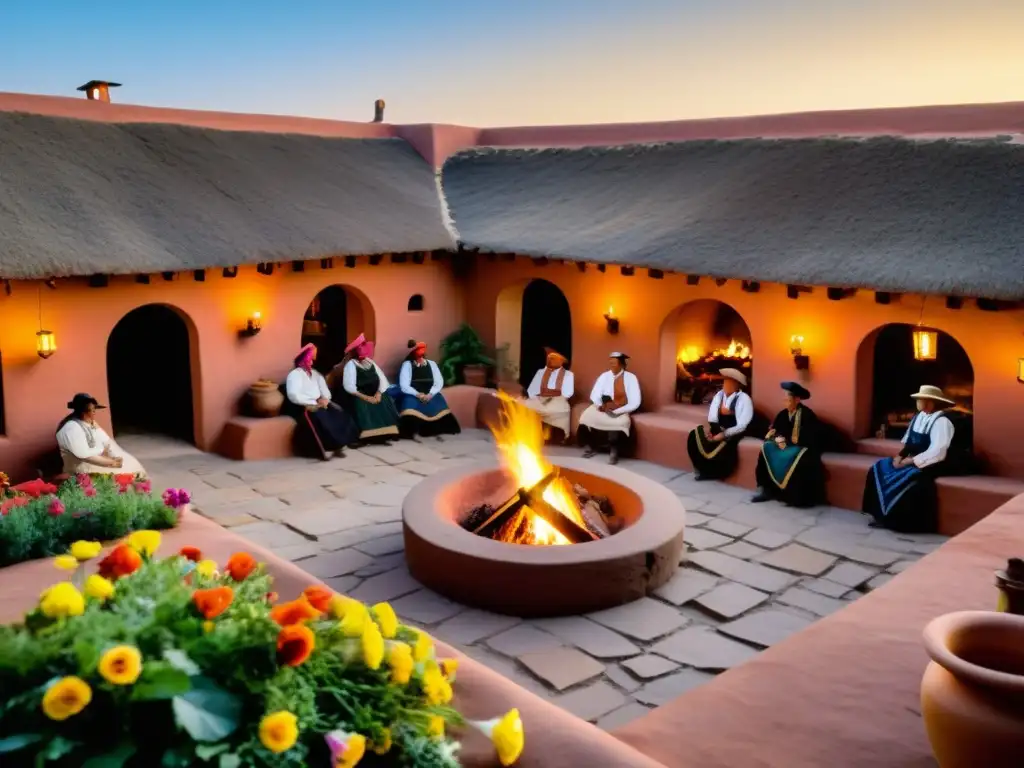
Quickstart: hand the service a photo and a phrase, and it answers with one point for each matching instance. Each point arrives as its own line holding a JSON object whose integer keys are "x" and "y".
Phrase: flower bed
{"x": 38, "y": 519}
{"x": 175, "y": 663}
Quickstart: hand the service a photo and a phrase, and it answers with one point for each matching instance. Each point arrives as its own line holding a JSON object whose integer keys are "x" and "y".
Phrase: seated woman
{"x": 550, "y": 391}
{"x": 85, "y": 448}
{"x": 308, "y": 401}
{"x": 789, "y": 467}
{"x": 714, "y": 452}
{"x": 900, "y": 492}
{"x": 367, "y": 389}
{"x": 422, "y": 409}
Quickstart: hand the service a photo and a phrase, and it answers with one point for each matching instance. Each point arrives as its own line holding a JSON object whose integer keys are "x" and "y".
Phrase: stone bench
{"x": 245, "y": 438}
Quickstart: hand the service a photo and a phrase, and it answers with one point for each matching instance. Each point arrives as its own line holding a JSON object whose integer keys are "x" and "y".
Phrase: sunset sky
{"x": 516, "y": 62}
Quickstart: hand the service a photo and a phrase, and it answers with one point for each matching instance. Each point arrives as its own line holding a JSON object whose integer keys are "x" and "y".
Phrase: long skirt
{"x": 713, "y": 460}
{"x": 129, "y": 464}
{"x": 324, "y": 430}
{"x": 427, "y": 419}
{"x": 377, "y": 421}
{"x": 902, "y": 499}
{"x": 553, "y": 411}
{"x": 792, "y": 474}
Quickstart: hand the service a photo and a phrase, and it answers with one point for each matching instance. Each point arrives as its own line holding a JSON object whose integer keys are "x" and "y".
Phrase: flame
{"x": 736, "y": 349}
{"x": 520, "y": 439}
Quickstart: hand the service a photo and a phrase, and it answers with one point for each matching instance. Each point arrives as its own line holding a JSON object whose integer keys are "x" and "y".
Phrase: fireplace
{"x": 710, "y": 336}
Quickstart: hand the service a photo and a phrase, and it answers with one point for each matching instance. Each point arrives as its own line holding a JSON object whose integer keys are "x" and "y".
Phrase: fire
{"x": 736, "y": 350}
{"x": 520, "y": 441}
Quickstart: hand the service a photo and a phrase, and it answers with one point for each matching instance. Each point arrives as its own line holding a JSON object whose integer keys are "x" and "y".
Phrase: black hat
{"x": 796, "y": 390}
{"x": 82, "y": 401}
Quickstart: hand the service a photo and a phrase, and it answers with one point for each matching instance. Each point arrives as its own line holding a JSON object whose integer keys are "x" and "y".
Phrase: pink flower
{"x": 84, "y": 481}
{"x": 143, "y": 486}
{"x": 176, "y": 498}
{"x": 56, "y": 508}
{"x": 89, "y": 491}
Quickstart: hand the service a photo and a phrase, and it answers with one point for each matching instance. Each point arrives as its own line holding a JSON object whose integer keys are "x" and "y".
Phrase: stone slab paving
{"x": 751, "y": 575}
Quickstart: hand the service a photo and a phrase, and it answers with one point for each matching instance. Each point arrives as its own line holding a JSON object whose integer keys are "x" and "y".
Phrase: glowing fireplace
{"x": 709, "y": 335}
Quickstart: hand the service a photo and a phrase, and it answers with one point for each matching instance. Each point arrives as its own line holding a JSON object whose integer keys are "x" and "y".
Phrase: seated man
{"x": 616, "y": 394}
{"x": 308, "y": 401}
{"x": 367, "y": 388}
{"x": 900, "y": 492}
{"x": 85, "y": 448}
{"x": 714, "y": 451}
{"x": 789, "y": 467}
{"x": 422, "y": 409}
{"x": 550, "y": 391}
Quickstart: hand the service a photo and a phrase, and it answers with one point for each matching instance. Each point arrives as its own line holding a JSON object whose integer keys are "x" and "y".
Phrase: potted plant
{"x": 464, "y": 358}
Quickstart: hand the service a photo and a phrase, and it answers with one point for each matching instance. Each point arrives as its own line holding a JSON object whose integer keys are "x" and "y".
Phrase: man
{"x": 714, "y": 451}
{"x": 550, "y": 391}
{"x": 422, "y": 409}
{"x": 615, "y": 396}
{"x": 308, "y": 401}
{"x": 367, "y": 388}
{"x": 900, "y": 492}
{"x": 789, "y": 467}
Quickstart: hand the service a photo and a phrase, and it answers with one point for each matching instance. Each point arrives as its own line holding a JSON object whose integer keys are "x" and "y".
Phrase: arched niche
{"x": 698, "y": 339}
{"x": 887, "y": 374}
{"x": 530, "y": 316}
{"x": 415, "y": 303}
{"x": 152, "y": 373}
{"x": 336, "y": 315}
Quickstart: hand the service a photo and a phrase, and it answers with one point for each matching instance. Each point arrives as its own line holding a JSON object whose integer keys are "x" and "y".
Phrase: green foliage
{"x": 460, "y": 348}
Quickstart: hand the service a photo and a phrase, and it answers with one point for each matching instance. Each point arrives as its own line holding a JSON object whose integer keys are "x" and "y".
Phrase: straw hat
{"x": 928, "y": 392}
{"x": 735, "y": 375}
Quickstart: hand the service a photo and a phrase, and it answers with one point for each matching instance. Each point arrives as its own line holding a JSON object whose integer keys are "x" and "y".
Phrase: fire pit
{"x": 529, "y": 538}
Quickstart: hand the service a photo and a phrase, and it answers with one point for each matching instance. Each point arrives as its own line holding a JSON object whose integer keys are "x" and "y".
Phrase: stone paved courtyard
{"x": 753, "y": 574}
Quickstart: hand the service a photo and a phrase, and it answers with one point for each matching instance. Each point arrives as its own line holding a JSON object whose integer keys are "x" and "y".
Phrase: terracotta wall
{"x": 833, "y": 332}
{"x": 223, "y": 365}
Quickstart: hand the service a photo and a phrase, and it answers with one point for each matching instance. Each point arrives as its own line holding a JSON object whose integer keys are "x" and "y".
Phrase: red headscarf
{"x": 304, "y": 359}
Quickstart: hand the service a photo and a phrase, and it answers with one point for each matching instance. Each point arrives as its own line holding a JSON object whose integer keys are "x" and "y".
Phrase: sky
{"x": 519, "y": 62}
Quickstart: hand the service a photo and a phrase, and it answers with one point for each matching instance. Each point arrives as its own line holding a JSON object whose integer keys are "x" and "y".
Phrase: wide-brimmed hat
{"x": 360, "y": 339}
{"x": 81, "y": 401}
{"x": 619, "y": 356}
{"x": 928, "y": 392}
{"x": 735, "y": 375}
{"x": 796, "y": 390}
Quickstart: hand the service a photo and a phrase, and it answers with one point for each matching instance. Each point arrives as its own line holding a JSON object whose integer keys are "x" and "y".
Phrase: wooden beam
{"x": 376, "y": 259}
{"x": 693, "y": 279}
{"x": 167, "y": 276}
{"x": 750, "y": 286}
{"x": 581, "y": 266}
{"x": 508, "y": 257}
{"x": 626, "y": 271}
{"x": 327, "y": 263}
{"x": 265, "y": 268}
{"x": 399, "y": 258}
{"x": 540, "y": 261}
{"x": 883, "y": 297}
{"x": 99, "y": 281}
{"x": 720, "y": 281}
{"x": 655, "y": 274}
{"x": 954, "y": 302}
{"x": 229, "y": 272}
{"x": 350, "y": 261}
{"x": 602, "y": 267}
{"x": 142, "y": 279}
{"x": 199, "y": 275}
{"x": 298, "y": 266}
{"x": 419, "y": 257}
{"x": 794, "y": 291}
{"x": 838, "y": 294}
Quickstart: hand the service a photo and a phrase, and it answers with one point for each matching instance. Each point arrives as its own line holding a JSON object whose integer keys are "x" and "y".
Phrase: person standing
{"x": 367, "y": 387}
{"x": 616, "y": 395}
{"x": 789, "y": 467}
{"x": 550, "y": 391}
{"x": 422, "y": 409}
{"x": 308, "y": 401}
{"x": 715, "y": 451}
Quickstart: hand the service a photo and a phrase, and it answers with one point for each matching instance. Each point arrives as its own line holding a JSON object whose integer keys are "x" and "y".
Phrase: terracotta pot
{"x": 972, "y": 693}
{"x": 475, "y": 375}
{"x": 1011, "y": 587}
{"x": 265, "y": 399}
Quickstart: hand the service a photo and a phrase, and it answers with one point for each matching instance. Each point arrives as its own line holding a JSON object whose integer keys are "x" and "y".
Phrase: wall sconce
{"x": 926, "y": 343}
{"x": 253, "y": 325}
{"x": 46, "y": 344}
{"x": 1020, "y": 369}
{"x": 611, "y": 320}
{"x": 796, "y": 348}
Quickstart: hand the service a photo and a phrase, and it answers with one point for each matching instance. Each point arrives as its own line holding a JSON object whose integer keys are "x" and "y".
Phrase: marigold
{"x": 145, "y": 542}
{"x": 61, "y": 600}
{"x": 319, "y": 597}
{"x": 66, "y": 697}
{"x": 386, "y": 619}
{"x": 279, "y": 731}
{"x": 372, "y": 644}
{"x": 340, "y": 605}
{"x": 436, "y": 687}
{"x": 121, "y": 665}
{"x": 293, "y": 612}
{"x": 191, "y": 553}
{"x": 424, "y": 646}
{"x": 401, "y": 662}
{"x": 121, "y": 561}
{"x": 206, "y": 568}
{"x": 241, "y": 565}
{"x": 506, "y": 733}
{"x": 355, "y": 620}
{"x": 211, "y": 603}
{"x": 435, "y": 727}
{"x": 294, "y": 644}
{"x": 99, "y": 588}
{"x": 449, "y": 667}
{"x": 347, "y": 749}
{"x": 65, "y": 562}
{"x": 85, "y": 550}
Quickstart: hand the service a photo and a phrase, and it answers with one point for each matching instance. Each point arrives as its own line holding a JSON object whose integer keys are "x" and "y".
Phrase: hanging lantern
{"x": 926, "y": 344}
{"x": 46, "y": 344}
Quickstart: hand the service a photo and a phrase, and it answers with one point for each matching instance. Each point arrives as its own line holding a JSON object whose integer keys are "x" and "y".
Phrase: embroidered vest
{"x": 555, "y": 391}
{"x": 619, "y": 398}
{"x": 422, "y": 378}
{"x": 727, "y": 420}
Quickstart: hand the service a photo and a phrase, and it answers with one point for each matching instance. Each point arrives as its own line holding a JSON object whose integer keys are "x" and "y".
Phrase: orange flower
{"x": 211, "y": 603}
{"x": 240, "y": 565}
{"x": 319, "y": 597}
{"x": 294, "y": 644}
{"x": 191, "y": 553}
{"x": 294, "y": 612}
{"x": 121, "y": 561}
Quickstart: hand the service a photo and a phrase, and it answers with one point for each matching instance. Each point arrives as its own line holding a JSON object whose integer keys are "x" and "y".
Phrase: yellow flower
{"x": 66, "y": 697}
{"x": 355, "y": 619}
{"x": 121, "y": 665}
{"x": 98, "y": 587}
{"x": 62, "y": 599}
{"x": 401, "y": 663}
{"x": 85, "y": 550}
{"x": 449, "y": 667}
{"x": 382, "y": 744}
{"x": 424, "y": 647}
{"x": 435, "y": 727}
{"x": 340, "y": 605}
{"x": 279, "y": 731}
{"x": 347, "y": 749}
{"x": 435, "y": 686}
{"x": 145, "y": 542}
{"x": 65, "y": 562}
{"x": 506, "y": 733}
{"x": 386, "y": 619}
{"x": 206, "y": 568}
{"x": 208, "y": 626}
{"x": 372, "y": 644}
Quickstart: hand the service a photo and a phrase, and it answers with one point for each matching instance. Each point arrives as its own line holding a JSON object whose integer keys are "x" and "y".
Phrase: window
{"x": 416, "y": 302}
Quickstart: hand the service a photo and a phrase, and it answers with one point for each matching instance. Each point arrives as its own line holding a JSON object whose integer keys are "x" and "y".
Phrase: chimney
{"x": 98, "y": 90}
{"x": 378, "y": 111}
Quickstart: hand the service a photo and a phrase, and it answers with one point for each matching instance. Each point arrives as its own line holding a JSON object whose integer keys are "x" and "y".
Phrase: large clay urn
{"x": 265, "y": 399}
{"x": 972, "y": 693}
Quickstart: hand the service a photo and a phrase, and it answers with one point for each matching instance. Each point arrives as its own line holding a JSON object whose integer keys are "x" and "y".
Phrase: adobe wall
{"x": 223, "y": 365}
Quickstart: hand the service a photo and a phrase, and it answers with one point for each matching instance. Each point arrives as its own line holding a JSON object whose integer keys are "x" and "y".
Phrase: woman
{"x": 86, "y": 449}
{"x": 308, "y": 401}
{"x": 367, "y": 387}
{"x": 789, "y": 467}
{"x": 422, "y": 409}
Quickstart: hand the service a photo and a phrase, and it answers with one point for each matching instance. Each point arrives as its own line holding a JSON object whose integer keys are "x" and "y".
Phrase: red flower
{"x": 319, "y": 597}
{"x": 294, "y": 644}
{"x": 211, "y": 603}
{"x": 191, "y": 553}
{"x": 121, "y": 561}
{"x": 17, "y": 501}
{"x": 35, "y": 488}
{"x": 240, "y": 565}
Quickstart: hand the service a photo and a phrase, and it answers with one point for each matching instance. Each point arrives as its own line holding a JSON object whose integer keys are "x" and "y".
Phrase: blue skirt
{"x": 427, "y": 419}
{"x": 901, "y": 498}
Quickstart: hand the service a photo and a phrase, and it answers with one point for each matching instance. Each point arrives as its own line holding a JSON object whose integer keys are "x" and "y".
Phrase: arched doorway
{"x": 149, "y": 373}
{"x": 529, "y": 317}
{"x": 887, "y": 374}
{"x": 334, "y": 316}
{"x": 698, "y": 339}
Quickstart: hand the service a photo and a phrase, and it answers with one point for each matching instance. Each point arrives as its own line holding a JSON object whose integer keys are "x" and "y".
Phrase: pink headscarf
{"x": 364, "y": 350}
{"x": 304, "y": 359}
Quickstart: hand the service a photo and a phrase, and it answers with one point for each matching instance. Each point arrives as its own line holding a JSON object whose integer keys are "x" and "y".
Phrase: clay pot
{"x": 265, "y": 399}
{"x": 1011, "y": 587}
{"x": 475, "y": 375}
{"x": 972, "y": 693}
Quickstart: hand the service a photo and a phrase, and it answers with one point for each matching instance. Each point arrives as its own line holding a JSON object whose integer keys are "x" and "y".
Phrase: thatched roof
{"x": 80, "y": 197}
{"x": 944, "y": 217}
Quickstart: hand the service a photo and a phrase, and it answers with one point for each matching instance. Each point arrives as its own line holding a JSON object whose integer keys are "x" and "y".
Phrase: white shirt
{"x": 568, "y": 383}
{"x": 306, "y": 388}
{"x": 405, "y": 378}
{"x": 941, "y": 437}
{"x": 73, "y": 438}
{"x": 348, "y": 376}
{"x": 740, "y": 404}
{"x": 605, "y": 387}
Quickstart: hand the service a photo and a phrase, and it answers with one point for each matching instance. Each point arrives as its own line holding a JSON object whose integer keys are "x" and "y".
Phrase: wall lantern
{"x": 611, "y": 320}
{"x": 46, "y": 343}
{"x": 1020, "y": 369}
{"x": 796, "y": 348}
{"x": 926, "y": 343}
{"x": 253, "y": 325}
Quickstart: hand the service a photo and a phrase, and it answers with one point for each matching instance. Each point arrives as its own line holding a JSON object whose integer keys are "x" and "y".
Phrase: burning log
{"x": 574, "y": 532}
{"x": 510, "y": 508}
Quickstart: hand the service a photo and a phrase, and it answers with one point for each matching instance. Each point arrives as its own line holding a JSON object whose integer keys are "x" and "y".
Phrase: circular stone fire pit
{"x": 536, "y": 581}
